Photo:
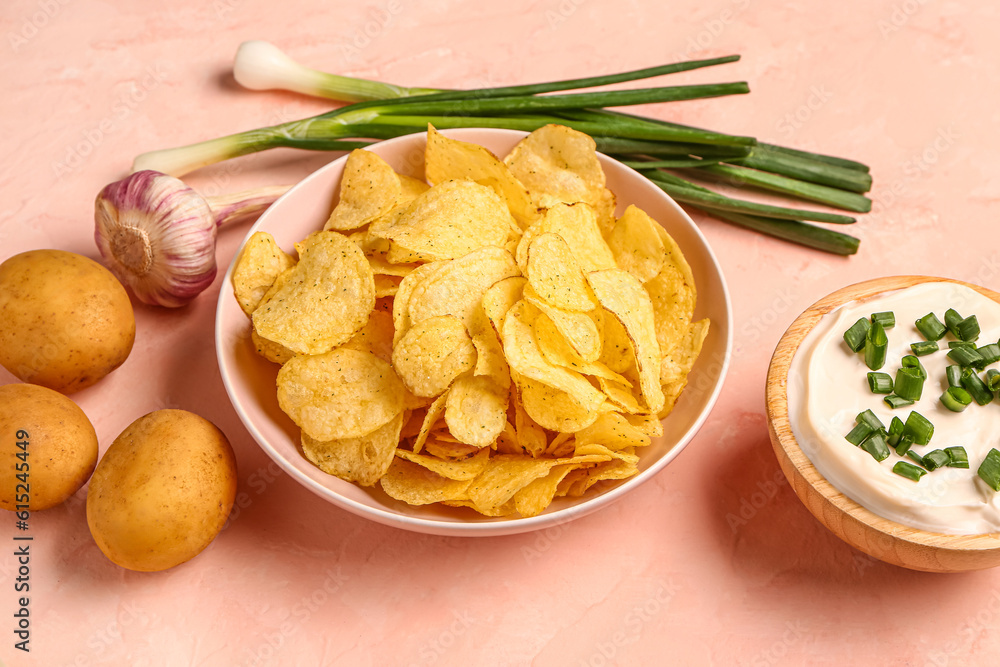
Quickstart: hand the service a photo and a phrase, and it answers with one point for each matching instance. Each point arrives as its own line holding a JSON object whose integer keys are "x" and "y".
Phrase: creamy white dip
{"x": 828, "y": 387}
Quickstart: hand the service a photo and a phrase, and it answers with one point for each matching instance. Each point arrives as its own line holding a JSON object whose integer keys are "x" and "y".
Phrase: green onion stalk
{"x": 670, "y": 155}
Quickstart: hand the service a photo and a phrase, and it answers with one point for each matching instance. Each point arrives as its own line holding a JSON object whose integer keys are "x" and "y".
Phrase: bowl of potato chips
{"x": 474, "y": 331}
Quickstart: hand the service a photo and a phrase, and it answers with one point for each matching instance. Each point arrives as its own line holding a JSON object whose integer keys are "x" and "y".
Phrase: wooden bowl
{"x": 878, "y": 537}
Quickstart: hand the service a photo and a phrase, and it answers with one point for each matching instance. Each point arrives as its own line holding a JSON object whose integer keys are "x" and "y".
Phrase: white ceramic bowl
{"x": 250, "y": 380}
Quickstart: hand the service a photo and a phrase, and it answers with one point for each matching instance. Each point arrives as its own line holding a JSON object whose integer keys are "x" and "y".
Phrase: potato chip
{"x": 415, "y": 485}
{"x": 559, "y": 164}
{"x": 369, "y": 188}
{"x": 460, "y": 284}
{"x": 448, "y": 159}
{"x": 434, "y": 413}
{"x": 532, "y": 499}
{"x": 627, "y": 454}
{"x": 327, "y": 298}
{"x": 500, "y": 298}
{"x": 412, "y": 424}
{"x": 529, "y": 436}
{"x": 505, "y": 475}
{"x": 462, "y": 469}
{"x": 578, "y": 329}
{"x": 432, "y": 354}
{"x": 490, "y": 361}
{"x": 386, "y": 285}
{"x": 449, "y": 220}
{"x": 673, "y": 306}
{"x": 651, "y": 425}
{"x": 363, "y": 460}
{"x": 340, "y": 394}
{"x": 557, "y": 350}
{"x": 451, "y": 450}
{"x": 625, "y": 298}
{"x": 555, "y": 275}
{"x": 621, "y": 395}
{"x": 401, "y": 302}
{"x": 375, "y": 337}
{"x": 616, "y": 350}
{"x": 613, "y": 431}
{"x": 381, "y": 265}
{"x": 410, "y": 188}
{"x": 577, "y": 224}
{"x": 476, "y": 410}
{"x": 260, "y": 263}
{"x": 637, "y": 245}
{"x": 268, "y": 349}
{"x": 562, "y": 445}
{"x": 579, "y": 482}
{"x": 678, "y": 363}
{"x": 525, "y": 357}
{"x": 555, "y": 409}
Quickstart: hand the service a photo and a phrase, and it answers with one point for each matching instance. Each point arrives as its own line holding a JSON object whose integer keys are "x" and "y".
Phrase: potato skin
{"x": 65, "y": 320}
{"x": 162, "y": 491}
{"x": 62, "y": 446}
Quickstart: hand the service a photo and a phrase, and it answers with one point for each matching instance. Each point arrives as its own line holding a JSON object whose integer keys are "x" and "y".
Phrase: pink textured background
{"x": 715, "y": 562}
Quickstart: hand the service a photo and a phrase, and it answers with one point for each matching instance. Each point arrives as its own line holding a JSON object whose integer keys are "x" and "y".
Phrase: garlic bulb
{"x": 157, "y": 235}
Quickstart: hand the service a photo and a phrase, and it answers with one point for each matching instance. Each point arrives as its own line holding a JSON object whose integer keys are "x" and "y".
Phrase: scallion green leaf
{"x": 877, "y": 446}
{"x": 880, "y": 383}
{"x": 993, "y": 380}
{"x": 913, "y": 456}
{"x": 894, "y": 401}
{"x": 924, "y": 347}
{"x": 954, "y": 375}
{"x": 989, "y": 469}
{"x": 968, "y": 329}
{"x": 959, "y": 458}
{"x": 876, "y": 346}
{"x": 911, "y": 361}
{"x": 951, "y": 320}
{"x": 904, "y": 444}
{"x": 870, "y": 418}
{"x": 887, "y": 318}
{"x": 930, "y": 327}
{"x": 895, "y": 431}
{"x": 859, "y": 433}
{"x": 908, "y": 470}
{"x": 965, "y": 356}
{"x": 856, "y": 336}
{"x": 936, "y": 459}
{"x": 990, "y": 354}
{"x": 956, "y": 399}
{"x": 909, "y": 384}
{"x": 919, "y": 428}
{"x": 974, "y": 384}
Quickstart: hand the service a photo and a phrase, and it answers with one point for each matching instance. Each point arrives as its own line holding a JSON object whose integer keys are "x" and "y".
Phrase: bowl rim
{"x": 502, "y": 525}
{"x": 866, "y": 530}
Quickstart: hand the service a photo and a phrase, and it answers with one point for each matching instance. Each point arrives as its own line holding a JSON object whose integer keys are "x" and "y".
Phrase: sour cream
{"x": 828, "y": 387}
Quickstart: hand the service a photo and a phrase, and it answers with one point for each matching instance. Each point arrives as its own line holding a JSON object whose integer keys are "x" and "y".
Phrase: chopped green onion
{"x": 880, "y": 383}
{"x": 956, "y": 399}
{"x": 855, "y": 336}
{"x": 908, "y": 470}
{"x": 869, "y": 417}
{"x": 954, "y": 374}
{"x": 964, "y": 344}
{"x": 895, "y": 431}
{"x": 909, "y": 384}
{"x": 974, "y": 384}
{"x": 894, "y": 401}
{"x": 993, "y": 380}
{"x": 931, "y": 328}
{"x": 951, "y": 320}
{"x": 877, "y": 446}
{"x": 913, "y": 456}
{"x": 959, "y": 458}
{"x": 859, "y": 433}
{"x": 910, "y": 361}
{"x": 919, "y": 428}
{"x": 876, "y": 346}
{"x": 924, "y": 347}
{"x": 989, "y": 469}
{"x": 990, "y": 354}
{"x": 887, "y": 318}
{"x": 965, "y": 356}
{"x": 904, "y": 444}
{"x": 936, "y": 459}
{"x": 968, "y": 329}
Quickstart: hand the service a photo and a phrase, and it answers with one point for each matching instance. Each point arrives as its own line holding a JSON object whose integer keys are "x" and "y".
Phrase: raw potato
{"x": 162, "y": 491}
{"x": 61, "y": 449}
{"x": 65, "y": 320}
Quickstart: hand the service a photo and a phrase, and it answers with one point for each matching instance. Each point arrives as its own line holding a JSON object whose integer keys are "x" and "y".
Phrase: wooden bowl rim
{"x": 776, "y": 397}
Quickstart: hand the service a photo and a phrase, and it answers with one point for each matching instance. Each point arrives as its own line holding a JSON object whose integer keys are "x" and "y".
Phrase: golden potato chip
{"x": 432, "y": 354}
{"x": 563, "y": 444}
{"x": 325, "y": 300}
{"x": 369, "y": 188}
{"x": 386, "y": 285}
{"x": 678, "y": 363}
{"x": 500, "y": 298}
{"x": 450, "y": 159}
{"x": 260, "y": 263}
{"x": 559, "y": 164}
{"x": 434, "y": 413}
{"x": 340, "y": 394}
{"x": 525, "y": 357}
{"x": 363, "y": 460}
{"x": 531, "y": 500}
{"x": 613, "y": 431}
{"x": 410, "y": 188}
{"x": 555, "y": 275}
{"x": 648, "y": 424}
{"x": 579, "y": 481}
{"x": 490, "y": 361}
{"x": 578, "y": 329}
{"x": 401, "y": 302}
{"x": 270, "y": 350}
{"x": 529, "y": 437}
{"x": 476, "y": 410}
{"x": 557, "y": 350}
{"x": 621, "y": 395}
{"x": 616, "y": 350}
{"x": 449, "y": 220}
{"x": 624, "y": 297}
{"x": 506, "y": 474}
{"x": 460, "y": 284}
{"x": 673, "y": 306}
{"x": 381, "y": 265}
{"x": 636, "y": 243}
{"x": 463, "y": 469}
{"x": 554, "y": 409}
{"x": 412, "y": 424}
{"x": 577, "y": 224}
{"x": 626, "y": 454}
{"x": 375, "y": 337}
{"x": 415, "y": 485}
{"x": 451, "y": 450}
